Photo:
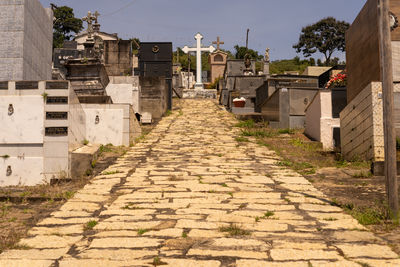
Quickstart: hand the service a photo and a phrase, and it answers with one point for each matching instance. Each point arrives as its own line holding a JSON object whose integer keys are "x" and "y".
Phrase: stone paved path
{"x": 171, "y": 198}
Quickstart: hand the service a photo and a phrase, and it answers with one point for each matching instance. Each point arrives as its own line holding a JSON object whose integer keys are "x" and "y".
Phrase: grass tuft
{"x": 234, "y": 230}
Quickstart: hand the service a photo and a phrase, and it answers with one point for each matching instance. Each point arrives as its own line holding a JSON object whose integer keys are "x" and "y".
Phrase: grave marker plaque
{"x": 56, "y": 115}
{"x": 27, "y": 85}
{"x": 56, "y": 131}
{"x": 3, "y": 85}
{"x": 57, "y": 100}
{"x": 57, "y": 85}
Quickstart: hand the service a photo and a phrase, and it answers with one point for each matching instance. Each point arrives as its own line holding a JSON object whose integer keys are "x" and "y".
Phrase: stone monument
{"x": 266, "y": 62}
{"x": 198, "y": 49}
{"x": 217, "y": 61}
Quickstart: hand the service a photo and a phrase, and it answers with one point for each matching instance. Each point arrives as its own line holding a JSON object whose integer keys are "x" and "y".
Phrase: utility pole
{"x": 387, "y": 101}
{"x": 188, "y": 85}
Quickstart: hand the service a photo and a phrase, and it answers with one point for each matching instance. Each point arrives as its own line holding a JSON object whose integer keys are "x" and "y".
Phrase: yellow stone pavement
{"x": 191, "y": 195}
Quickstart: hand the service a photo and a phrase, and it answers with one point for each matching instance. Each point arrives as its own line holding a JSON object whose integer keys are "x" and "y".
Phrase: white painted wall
{"x": 26, "y": 124}
{"x": 25, "y": 171}
{"x": 124, "y": 90}
{"x": 113, "y": 126}
{"x": 319, "y": 121}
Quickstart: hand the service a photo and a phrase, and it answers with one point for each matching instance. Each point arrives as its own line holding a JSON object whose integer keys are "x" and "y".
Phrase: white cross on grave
{"x": 198, "y": 49}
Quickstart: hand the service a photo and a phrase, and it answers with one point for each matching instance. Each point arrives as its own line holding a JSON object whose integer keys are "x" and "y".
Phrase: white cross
{"x": 198, "y": 49}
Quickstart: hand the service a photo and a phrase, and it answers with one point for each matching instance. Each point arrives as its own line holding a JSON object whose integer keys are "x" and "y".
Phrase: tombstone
{"x": 38, "y": 141}
{"x": 234, "y": 68}
{"x": 322, "y": 117}
{"x": 89, "y": 80}
{"x": 155, "y": 61}
{"x": 245, "y": 86}
{"x": 362, "y": 132}
{"x": 26, "y": 34}
{"x": 198, "y": 49}
{"x": 288, "y": 97}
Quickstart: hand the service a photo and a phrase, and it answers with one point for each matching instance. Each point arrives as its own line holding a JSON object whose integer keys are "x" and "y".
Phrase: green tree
{"x": 64, "y": 25}
{"x": 241, "y": 52}
{"x": 326, "y": 36}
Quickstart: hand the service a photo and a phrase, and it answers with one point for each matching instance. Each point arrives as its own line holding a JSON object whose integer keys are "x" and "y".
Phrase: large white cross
{"x": 198, "y": 49}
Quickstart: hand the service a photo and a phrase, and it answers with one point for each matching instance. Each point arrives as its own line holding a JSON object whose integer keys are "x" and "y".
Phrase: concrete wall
{"x": 154, "y": 96}
{"x": 118, "y": 57}
{"x": 361, "y": 125}
{"x": 319, "y": 120}
{"x": 26, "y": 31}
{"x": 113, "y": 126}
{"x": 125, "y": 90}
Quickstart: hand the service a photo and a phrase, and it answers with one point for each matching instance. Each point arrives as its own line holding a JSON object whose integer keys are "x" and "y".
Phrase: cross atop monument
{"x": 198, "y": 49}
{"x": 89, "y": 19}
{"x": 218, "y": 42}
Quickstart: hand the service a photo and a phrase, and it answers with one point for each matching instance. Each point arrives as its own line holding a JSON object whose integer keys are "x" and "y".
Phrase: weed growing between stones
{"x": 90, "y": 225}
{"x": 142, "y": 231}
{"x": 234, "y": 230}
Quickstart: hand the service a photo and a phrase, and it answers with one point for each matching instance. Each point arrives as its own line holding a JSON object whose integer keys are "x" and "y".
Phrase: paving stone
{"x": 191, "y": 263}
{"x": 370, "y": 250}
{"x": 24, "y": 263}
{"x": 34, "y": 254}
{"x": 297, "y": 254}
{"x": 121, "y": 242}
{"x": 257, "y": 263}
{"x": 117, "y": 254}
{"x": 51, "y": 241}
{"x": 228, "y": 253}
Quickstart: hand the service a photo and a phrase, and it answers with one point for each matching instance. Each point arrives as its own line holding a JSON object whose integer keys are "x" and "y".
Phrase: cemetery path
{"x": 191, "y": 195}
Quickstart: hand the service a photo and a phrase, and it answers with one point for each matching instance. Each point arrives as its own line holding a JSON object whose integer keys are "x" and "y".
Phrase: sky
{"x": 273, "y": 23}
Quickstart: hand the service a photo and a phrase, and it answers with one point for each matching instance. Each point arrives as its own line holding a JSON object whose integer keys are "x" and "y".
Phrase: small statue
{"x": 247, "y": 61}
{"x": 267, "y": 55}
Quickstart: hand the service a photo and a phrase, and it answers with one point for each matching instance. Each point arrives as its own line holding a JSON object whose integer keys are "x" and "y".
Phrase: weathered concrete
{"x": 168, "y": 198}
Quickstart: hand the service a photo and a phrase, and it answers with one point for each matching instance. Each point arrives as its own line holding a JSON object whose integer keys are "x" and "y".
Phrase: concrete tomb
{"x": 37, "y": 143}
{"x": 155, "y": 77}
{"x": 288, "y": 97}
{"x": 26, "y": 34}
{"x": 322, "y": 117}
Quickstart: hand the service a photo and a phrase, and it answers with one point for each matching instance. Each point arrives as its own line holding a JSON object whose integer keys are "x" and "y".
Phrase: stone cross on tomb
{"x": 198, "y": 49}
{"x": 89, "y": 19}
{"x": 218, "y": 42}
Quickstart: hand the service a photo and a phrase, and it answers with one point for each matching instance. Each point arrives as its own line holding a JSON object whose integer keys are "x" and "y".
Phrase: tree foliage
{"x": 326, "y": 36}
{"x": 241, "y": 52}
{"x": 295, "y": 64}
{"x": 65, "y": 24}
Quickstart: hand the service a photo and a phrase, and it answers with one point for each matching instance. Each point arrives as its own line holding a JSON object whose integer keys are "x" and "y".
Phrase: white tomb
{"x": 125, "y": 90}
{"x": 114, "y": 124}
{"x": 42, "y": 123}
{"x": 321, "y": 118}
{"x": 198, "y": 49}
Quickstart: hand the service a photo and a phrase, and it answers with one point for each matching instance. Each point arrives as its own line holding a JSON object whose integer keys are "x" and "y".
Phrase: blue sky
{"x": 272, "y": 23}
